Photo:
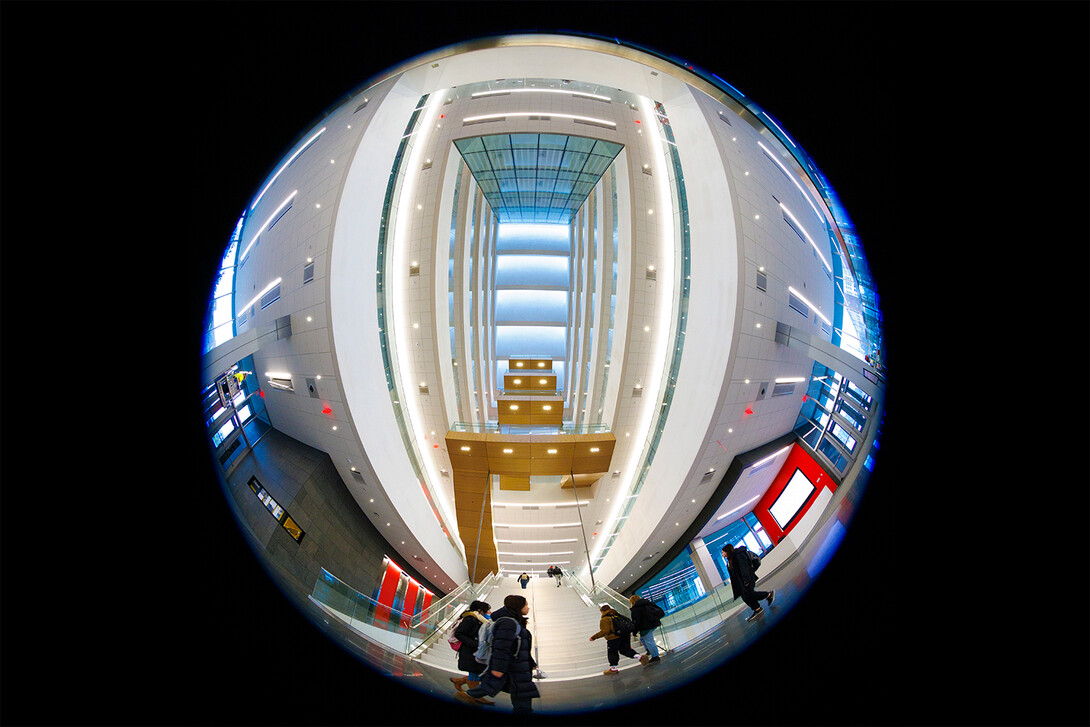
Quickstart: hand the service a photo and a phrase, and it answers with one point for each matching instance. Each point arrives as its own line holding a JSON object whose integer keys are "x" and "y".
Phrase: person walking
{"x": 618, "y": 639}
{"x": 524, "y": 579}
{"x": 743, "y": 578}
{"x": 646, "y": 616}
{"x": 510, "y": 667}
{"x": 467, "y": 632}
{"x": 556, "y": 572}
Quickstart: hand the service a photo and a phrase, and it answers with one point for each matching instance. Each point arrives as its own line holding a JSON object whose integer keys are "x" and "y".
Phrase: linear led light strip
{"x": 791, "y": 176}
{"x": 535, "y": 525}
{"x": 541, "y": 90}
{"x": 807, "y": 236}
{"x": 268, "y": 222}
{"x": 538, "y": 113}
{"x": 770, "y": 457}
{"x": 562, "y": 552}
{"x": 538, "y": 542}
{"x": 811, "y": 305}
{"x": 539, "y": 504}
{"x": 742, "y": 506}
{"x": 510, "y": 562}
{"x": 287, "y": 164}
{"x": 266, "y": 289}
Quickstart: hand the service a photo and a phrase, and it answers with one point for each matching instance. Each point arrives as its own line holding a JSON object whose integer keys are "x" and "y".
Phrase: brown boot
{"x": 480, "y": 700}
{"x": 459, "y": 682}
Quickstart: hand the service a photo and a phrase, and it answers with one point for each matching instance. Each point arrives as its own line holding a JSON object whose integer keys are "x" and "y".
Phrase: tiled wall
{"x": 339, "y": 537}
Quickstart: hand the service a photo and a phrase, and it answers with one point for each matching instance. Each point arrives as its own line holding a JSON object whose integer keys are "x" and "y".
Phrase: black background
{"x": 134, "y": 134}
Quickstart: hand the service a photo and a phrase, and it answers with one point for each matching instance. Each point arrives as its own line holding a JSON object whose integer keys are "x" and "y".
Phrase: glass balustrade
{"x": 406, "y": 633}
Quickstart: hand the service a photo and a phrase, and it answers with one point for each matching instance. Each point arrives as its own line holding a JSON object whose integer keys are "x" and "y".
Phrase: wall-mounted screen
{"x": 791, "y": 500}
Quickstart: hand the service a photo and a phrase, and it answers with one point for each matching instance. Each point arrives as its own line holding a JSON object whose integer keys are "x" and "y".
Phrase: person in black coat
{"x": 743, "y": 580}
{"x": 646, "y": 617}
{"x": 466, "y": 632}
{"x": 511, "y": 667}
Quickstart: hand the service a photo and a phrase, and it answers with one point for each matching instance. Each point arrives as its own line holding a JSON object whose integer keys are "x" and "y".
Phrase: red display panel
{"x": 797, "y": 459}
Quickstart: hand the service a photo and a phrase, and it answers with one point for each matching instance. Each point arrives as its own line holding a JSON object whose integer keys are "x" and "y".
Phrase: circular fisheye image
{"x": 544, "y": 372}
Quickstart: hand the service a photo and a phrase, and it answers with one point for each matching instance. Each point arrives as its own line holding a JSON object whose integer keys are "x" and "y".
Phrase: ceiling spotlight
{"x": 514, "y": 407}
{"x": 519, "y": 364}
{"x": 508, "y": 451}
{"x": 542, "y": 381}
{"x": 552, "y": 451}
{"x": 465, "y": 449}
{"x": 593, "y": 449}
{"x": 518, "y": 381}
{"x": 547, "y": 407}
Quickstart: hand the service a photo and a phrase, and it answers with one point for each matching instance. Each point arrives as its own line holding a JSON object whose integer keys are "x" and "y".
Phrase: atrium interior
{"x": 601, "y": 313}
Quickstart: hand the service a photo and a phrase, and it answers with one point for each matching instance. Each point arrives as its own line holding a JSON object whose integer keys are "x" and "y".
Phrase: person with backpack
{"x": 617, "y": 630}
{"x": 524, "y": 579}
{"x": 556, "y": 572}
{"x": 646, "y": 615}
{"x": 505, "y": 658}
{"x": 466, "y": 634}
{"x": 742, "y": 564}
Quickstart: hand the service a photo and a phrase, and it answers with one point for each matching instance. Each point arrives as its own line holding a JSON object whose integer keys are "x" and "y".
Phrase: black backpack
{"x": 754, "y": 560}
{"x": 622, "y": 624}
{"x": 654, "y": 611}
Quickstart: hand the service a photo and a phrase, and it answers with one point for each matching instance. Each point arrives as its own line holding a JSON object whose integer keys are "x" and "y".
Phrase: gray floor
{"x": 597, "y": 691}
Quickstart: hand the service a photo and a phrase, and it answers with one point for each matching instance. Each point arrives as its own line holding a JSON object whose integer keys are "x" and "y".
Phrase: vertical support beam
{"x": 705, "y": 566}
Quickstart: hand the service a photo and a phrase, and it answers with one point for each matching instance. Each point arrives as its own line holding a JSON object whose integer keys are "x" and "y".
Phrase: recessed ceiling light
{"x": 547, "y": 407}
{"x": 465, "y": 449}
{"x": 594, "y": 449}
{"x": 514, "y": 407}
{"x": 552, "y": 451}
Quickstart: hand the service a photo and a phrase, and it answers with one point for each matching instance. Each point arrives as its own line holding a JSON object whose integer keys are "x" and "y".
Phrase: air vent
{"x": 312, "y": 387}
{"x": 652, "y": 274}
{"x": 426, "y": 165}
{"x": 707, "y": 476}
{"x": 271, "y": 297}
{"x": 647, "y": 170}
{"x": 637, "y": 391}
{"x": 724, "y": 119}
{"x": 797, "y": 305}
{"x": 530, "y": 507}
{"x": 488, "y": 120}
{"x": 783, "y": 390}
{"x": 361, "y": 107}
{"x": 423, "y": 390}
{"x": 825, "y": 328}
{"x": 783, "y": 333}
{"x": 357, "y": 475}
{"x": 762, "y": 281}
{"x": 592, "y": 123}
{"x": 414, "y": 270}
{"x": 282, "y": 384}
{"x": 540, "y": 118}
{"x": 308, "y": 273}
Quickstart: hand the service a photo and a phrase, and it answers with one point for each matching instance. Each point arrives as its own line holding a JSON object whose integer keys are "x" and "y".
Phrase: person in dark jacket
{"x": 646, "y": 622}
{"x": 466, "y": 632}
{"x": 743, "y": 581}
{"x": 556, "y": 572}
{"x": 524, "y": 579}
{"x": 616, "y": 643}
{"x": 511, "y": 667}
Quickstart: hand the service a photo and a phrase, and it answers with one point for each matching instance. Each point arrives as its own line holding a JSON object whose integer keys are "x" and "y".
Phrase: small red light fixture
{"x": 327, "y": 410}
{"x": 748, "y": 411}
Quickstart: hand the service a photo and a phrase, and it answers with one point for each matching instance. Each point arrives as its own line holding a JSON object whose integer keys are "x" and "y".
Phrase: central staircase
{"x": 561, "y": 621}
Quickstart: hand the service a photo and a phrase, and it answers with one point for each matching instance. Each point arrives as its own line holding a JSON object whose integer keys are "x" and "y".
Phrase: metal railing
{"x": 601, "y": 593}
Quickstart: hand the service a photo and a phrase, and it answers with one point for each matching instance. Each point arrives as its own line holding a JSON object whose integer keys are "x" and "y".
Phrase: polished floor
{"x": 598, "y": 691}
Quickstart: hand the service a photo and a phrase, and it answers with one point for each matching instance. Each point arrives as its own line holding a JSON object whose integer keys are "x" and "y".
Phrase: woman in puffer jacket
{"x": 511, "y": 667}
{"x": 466, "y": 632}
